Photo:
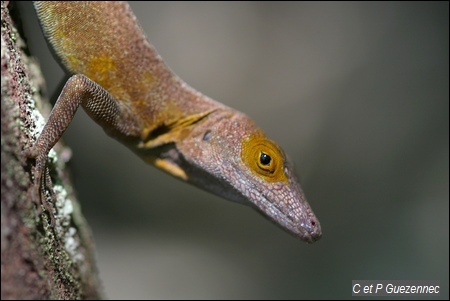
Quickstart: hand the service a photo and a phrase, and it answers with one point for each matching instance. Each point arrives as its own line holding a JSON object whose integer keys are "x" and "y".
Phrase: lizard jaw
{"x": 305, "y": 226}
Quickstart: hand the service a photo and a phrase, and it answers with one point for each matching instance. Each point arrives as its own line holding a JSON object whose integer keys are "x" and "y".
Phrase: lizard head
{"x": 228, "y": 155}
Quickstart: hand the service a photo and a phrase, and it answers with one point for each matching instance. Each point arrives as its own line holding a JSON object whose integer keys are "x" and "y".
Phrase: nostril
{"x": 313, "y": 223}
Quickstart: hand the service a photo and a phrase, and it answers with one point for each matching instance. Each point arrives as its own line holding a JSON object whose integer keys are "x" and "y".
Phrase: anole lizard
{"x": 124, "y": 85}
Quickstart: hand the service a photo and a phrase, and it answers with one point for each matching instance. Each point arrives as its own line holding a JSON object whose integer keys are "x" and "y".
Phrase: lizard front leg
{"x": 112, "y": 115}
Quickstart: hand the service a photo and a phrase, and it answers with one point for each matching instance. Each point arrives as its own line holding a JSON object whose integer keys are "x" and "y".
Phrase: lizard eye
{"x": 264, "y": 158}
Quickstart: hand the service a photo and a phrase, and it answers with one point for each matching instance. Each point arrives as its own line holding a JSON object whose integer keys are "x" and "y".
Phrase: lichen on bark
{"x": 38, "y": 261}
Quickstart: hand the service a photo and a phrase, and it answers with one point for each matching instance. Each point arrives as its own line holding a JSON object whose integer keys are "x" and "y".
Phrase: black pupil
{"x": 265, "y": 159}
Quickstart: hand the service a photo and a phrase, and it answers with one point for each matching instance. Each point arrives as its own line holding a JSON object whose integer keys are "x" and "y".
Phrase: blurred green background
{"x": 358, "y": 96}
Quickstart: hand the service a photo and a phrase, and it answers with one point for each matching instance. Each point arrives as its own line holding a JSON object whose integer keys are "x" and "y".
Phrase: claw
{"x": 42, "y": 182}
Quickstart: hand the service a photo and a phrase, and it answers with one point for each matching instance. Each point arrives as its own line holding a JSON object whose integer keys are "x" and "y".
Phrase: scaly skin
{"x": 124, "y": 85}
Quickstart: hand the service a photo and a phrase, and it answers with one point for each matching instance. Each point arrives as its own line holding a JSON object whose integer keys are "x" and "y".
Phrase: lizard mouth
{"x": 304, "y": 226}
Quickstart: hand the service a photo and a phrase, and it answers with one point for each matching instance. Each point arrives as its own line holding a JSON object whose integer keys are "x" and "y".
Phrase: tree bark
{"x": 38, "y": 261}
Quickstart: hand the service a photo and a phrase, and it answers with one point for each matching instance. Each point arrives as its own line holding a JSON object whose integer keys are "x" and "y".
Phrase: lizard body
{"x": 124, "y": 85}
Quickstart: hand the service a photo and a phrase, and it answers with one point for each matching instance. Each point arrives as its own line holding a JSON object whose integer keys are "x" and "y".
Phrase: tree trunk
{"x": 38, "y": 261}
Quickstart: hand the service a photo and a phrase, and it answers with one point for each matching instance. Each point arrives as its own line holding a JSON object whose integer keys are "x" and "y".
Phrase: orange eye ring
{"x": 264, "y": 158}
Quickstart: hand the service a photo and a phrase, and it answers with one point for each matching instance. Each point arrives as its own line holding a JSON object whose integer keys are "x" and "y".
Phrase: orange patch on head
{"x": 169, "y": 167}
{"x": 264, "y": 158}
